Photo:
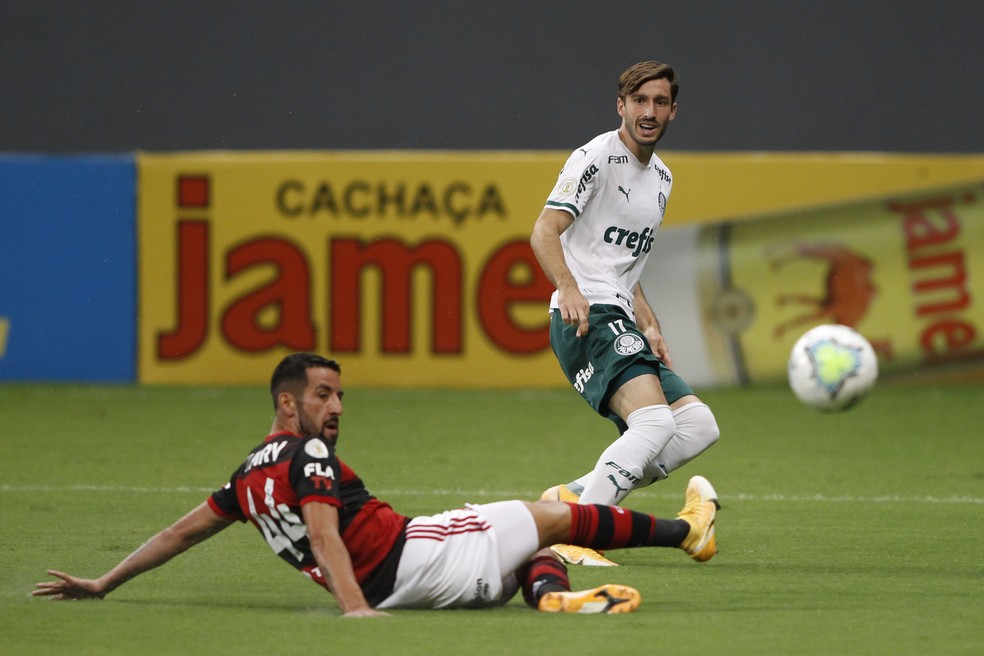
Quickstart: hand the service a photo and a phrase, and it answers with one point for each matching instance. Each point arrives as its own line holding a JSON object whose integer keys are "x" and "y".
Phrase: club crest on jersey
{"x": 628, "y": 343}
{"x": 316, "y": 448}
{"x": 662, "y": 204}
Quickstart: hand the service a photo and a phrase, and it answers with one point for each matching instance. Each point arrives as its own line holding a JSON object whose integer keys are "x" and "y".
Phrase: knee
{"x": 697, "y": 423}
{"x": 552, "y": 519}
{"x": 708, "y": 426}
{"x": 654, "y": 424}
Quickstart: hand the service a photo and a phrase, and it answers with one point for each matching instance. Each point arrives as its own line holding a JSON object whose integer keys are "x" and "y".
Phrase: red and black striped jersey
{"x": 286, "y": 471}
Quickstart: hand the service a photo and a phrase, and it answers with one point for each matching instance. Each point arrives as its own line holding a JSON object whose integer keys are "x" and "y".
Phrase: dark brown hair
{"x": 638, "y": 74}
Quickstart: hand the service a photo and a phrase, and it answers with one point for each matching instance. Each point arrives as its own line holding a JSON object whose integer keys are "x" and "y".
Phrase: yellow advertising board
{"x": 904, "y": 271}
{"x": 409, "y": 269}
{"x": 4, "y": 331}
{"x": 901, "y": 271}
{"x": 710, "y": 187}
{"x": 414, "y": 268}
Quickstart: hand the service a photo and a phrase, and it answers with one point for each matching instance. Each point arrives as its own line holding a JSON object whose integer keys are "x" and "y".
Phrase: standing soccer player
{"x": 592, "y": 240}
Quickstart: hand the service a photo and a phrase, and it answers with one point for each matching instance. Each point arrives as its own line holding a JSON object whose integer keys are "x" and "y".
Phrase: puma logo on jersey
{"x": 635, "y": 241}
{"x": 625, "y": 192}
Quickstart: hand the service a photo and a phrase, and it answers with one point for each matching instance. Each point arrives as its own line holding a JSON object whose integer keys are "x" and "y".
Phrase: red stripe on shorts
{"x": 441, "y": 532}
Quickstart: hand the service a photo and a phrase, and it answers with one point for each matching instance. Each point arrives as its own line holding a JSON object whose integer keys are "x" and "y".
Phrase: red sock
{"x": 544, "y": 574}
{"x": 610, "y": 527}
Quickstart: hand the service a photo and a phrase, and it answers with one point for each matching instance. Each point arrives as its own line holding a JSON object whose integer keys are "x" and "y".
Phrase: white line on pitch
{"x": 508, "y": 494}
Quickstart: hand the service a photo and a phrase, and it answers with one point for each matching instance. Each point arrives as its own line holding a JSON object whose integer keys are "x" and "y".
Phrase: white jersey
{"x": 617, "y": 203}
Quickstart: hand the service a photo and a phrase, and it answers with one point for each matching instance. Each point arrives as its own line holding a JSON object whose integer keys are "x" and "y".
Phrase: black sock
{"x": 544, "y": 574}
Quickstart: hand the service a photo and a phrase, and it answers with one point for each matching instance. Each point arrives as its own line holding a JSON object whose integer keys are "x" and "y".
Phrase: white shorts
{"x": 464, "y": 558}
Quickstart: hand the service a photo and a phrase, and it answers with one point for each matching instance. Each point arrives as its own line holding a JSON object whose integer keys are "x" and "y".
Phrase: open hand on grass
{"x": 69, "y": 587}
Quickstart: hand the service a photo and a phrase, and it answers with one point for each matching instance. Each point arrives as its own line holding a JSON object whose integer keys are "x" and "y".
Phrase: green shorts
{"x": 613, "y": 352}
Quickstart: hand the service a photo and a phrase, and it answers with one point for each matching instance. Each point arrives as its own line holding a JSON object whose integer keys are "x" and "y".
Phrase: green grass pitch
{"x": 852, "y": 533}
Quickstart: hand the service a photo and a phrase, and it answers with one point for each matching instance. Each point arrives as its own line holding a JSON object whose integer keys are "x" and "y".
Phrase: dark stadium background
{"x": 840, "y": 75}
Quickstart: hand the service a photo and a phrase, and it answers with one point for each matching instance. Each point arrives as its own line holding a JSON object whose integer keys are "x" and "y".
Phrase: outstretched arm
{"x": 545, "y": 240}
{"x": 198, "y": 525}
{"x": 334, "y": 560}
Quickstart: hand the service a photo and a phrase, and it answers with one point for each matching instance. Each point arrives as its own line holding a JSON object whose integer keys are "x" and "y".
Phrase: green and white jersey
{"x": 617, "y": 203}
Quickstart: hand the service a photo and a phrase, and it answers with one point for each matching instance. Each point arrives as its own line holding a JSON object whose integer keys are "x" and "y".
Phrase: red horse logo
{"x": 848, "y": 286}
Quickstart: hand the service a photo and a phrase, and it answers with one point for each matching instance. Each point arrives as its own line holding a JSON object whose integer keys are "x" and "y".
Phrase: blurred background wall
{"x": 881, "y": 75}
{"x": 868, "y": 111}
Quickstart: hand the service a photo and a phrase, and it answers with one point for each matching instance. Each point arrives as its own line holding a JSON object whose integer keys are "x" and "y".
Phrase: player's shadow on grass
{"x": 225, "y": 602}
{"x": 212, "y": 603}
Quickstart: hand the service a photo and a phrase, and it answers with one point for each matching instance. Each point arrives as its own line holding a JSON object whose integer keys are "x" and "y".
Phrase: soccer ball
{"x": 832, "y": 367}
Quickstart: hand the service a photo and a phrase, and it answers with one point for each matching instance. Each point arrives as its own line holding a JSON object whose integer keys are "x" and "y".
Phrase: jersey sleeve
{"x": 315, "y": 473}
{"x": 225, "y": 503}
{"x": 576, "y": 183}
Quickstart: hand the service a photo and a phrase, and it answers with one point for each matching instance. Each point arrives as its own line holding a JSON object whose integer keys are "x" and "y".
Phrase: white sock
{"x": 621, "y": 467}
{"x": 696, "y": 431}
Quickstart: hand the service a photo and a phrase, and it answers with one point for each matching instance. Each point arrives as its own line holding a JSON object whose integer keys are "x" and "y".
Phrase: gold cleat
{"x": 608, "y": 599}
{"x": 700, "y": 511}
{"x": 569, "y": 553}
{"x": 575, "y": 555}
{"x": 559, "y": 493}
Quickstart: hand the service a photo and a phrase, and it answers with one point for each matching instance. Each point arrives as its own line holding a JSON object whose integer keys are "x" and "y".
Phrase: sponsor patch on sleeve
{"x": 566, "y": 187}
